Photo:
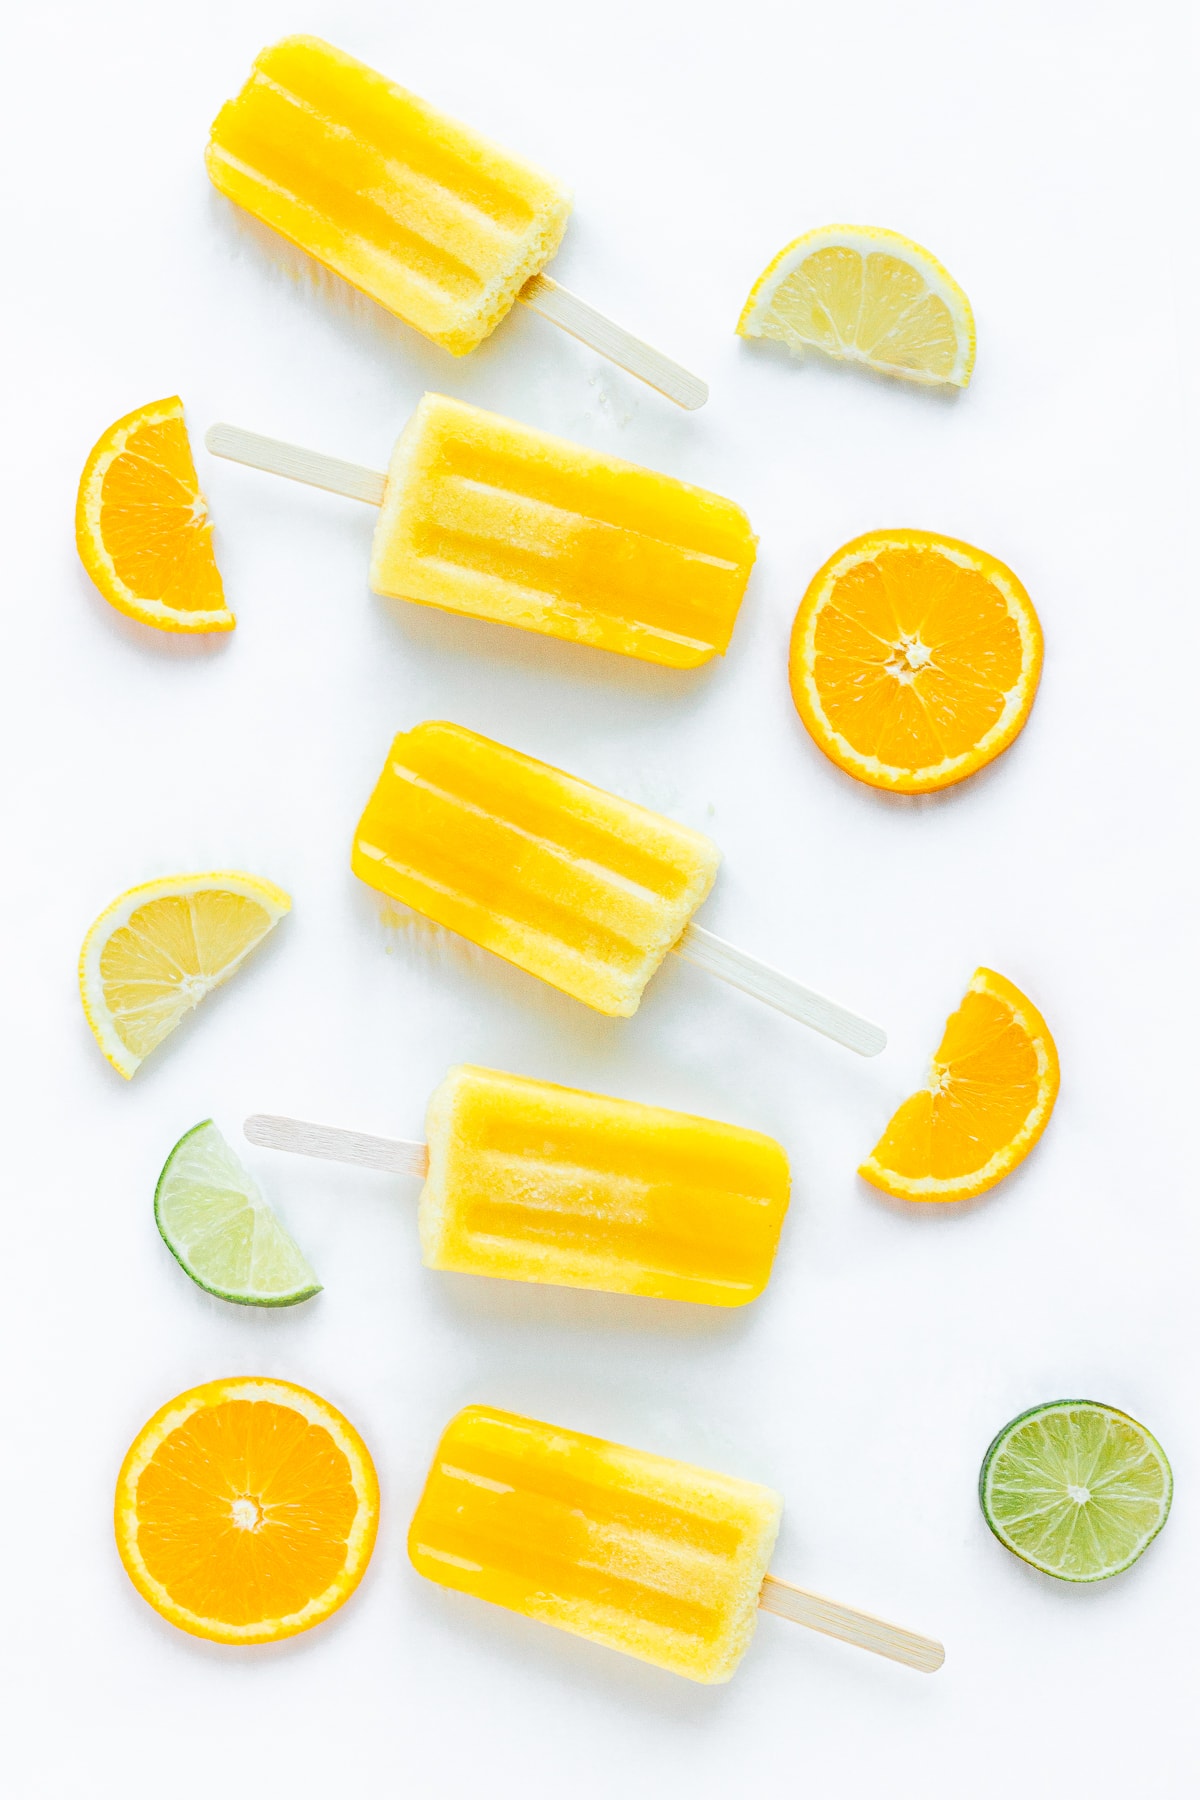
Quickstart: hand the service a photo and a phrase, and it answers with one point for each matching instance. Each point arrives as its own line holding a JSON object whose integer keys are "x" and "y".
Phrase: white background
{"x": 1037, "y": 149}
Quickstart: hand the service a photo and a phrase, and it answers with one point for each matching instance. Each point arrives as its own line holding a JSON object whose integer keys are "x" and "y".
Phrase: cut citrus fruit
{"x": 220, "y": 1229}
{"x": 1075, "y": 1488}
{"x": 914, "y": 659}
{"x": 992, "y": 1088}
{"x": 246, "y": 1510}
{"x": 142, "y": 524}
{"x": 160, "y": 948}
{"x": 866, "y": 295}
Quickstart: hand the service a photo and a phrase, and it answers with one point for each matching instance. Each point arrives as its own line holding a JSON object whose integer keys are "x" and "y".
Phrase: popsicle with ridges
{"x": 438, "y": 224}
{"x": 657, "y": 1558}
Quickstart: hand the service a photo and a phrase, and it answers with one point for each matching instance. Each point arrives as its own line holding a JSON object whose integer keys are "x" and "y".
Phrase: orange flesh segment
{"x": 155, "y": 525}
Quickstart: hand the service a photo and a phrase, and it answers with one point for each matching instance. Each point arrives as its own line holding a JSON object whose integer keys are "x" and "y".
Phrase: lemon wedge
{"x": 862, "y": 294}
{"x": 160, "y": 948}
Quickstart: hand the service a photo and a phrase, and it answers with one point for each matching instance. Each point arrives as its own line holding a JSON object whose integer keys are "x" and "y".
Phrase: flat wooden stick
{"x": 574, "y": 315}
{"x": 331, "y": 1143}
{"x": 853, "y": 1627}
{"x": 778, "y": 990}
{"x": 278, "y": 458}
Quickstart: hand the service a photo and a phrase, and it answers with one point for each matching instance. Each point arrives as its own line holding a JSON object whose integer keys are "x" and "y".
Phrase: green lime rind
{"x": 218, "y": 1226}
{"x": 1075, "y": 1488}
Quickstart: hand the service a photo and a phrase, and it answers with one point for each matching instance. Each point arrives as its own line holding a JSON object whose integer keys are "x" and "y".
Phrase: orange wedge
{"x": 914, "y": 659}
{"x": 142, "y": 524}
{"x": 992, "y": 1089}
{"x": 246, "y": 1510}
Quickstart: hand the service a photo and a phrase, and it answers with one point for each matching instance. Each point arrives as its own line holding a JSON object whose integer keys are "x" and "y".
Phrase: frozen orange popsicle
{"x": 534, "y": 1182}
{"x": 485, "y": 516}
{"x": 577, "y": 886}
{"x": 435, "y": 222}
{"x": 422, "y": 213}
{"x": 654, "y": 1557}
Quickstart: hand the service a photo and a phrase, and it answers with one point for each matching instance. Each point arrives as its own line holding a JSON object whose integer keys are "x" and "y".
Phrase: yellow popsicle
{"x": 577, "y": 886}
{"x": 485, "y": 516}
{"x": 534, "y": 1182}
{"x": 439, "y": 225}
{"x": 654, "y": 1557}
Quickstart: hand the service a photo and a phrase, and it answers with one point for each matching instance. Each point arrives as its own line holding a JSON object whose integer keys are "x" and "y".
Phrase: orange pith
{"x": 246, "y": 1510}
{"x": 142, "y": 525}
{"x": 914, "y": 659}
{"x": 992, "y": 1089}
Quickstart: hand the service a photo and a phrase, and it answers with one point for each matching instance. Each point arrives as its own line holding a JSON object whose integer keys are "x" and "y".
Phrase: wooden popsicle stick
{"x": 298, "y": 464}
{"x": 573, "y": 315}
{"x": 332, "y": 1144}
{"x": 852, "y": 1626}
{"x": 779, "y": 990}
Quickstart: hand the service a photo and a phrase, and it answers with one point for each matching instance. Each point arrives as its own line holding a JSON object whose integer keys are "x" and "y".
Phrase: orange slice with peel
{"x": 142, "y": 524}
{"x": 246, "y": 1510}
{"x": 914, "y": 659}
{"x": 158, "y": 949}
{"x": 992, "y": 1088}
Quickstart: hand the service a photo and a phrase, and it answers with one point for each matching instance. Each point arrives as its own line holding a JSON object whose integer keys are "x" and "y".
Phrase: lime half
{"x": 219, "y": 1228}
{"x": 1075, "y": 1488}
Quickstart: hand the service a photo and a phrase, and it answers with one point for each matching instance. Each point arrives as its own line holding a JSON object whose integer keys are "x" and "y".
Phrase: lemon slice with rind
{"x": 862, "y": 294}
{"x": 1075, "y": 1488}
{"x": 160, "y": 948}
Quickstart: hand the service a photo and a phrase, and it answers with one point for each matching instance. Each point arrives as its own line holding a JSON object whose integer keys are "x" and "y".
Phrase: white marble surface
{"x": 1039, "y": 150}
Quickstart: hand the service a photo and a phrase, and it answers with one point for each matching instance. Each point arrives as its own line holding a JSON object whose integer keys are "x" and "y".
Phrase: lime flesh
{"x": 1076, "y": 1488}
{"x": 220, "y": 1229}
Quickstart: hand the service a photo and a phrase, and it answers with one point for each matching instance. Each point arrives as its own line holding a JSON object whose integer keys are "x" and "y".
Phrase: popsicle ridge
{"x": 426, "y": 216}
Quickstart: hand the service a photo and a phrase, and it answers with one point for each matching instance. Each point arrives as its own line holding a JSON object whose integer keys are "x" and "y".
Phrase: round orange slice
{"x": 992, "y": 1088}
{"x": 142, "y": 524}
{"x": 246, "y": 1510}
{"x": 914, "y": 659}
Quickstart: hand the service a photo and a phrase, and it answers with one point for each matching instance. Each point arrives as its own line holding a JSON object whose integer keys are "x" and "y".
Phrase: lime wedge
{"x": 221, "y": 1231}
{"x": 1075, "y": 1488}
